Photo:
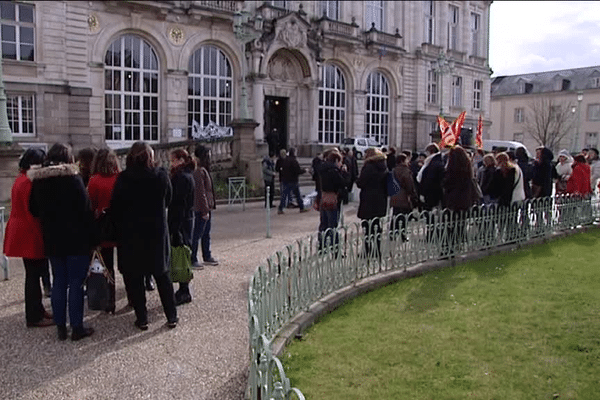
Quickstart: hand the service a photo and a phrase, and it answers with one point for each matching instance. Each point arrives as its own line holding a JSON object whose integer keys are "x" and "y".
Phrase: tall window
{"x": 475, "y": 32}
{"x": 330, "y": 9}
{"x": 456, "y": 91}
{"x": 17, "y": 32}
{"x": 374, "y": 15}
{"x": 595, "y": 82}
{"x": 131, "y": 91}
{"x": 281, "y": 4}
{"x": 477, "y": 87}
{"x": 210, "y": 83}
{"x": 593, "y": 112}
{"x": 432, "y": 86}
{"x": 591, "y": 140}
{"x": 332, "y": 105}
{"x": 453, "y": 27}
{"x": 429, "y": 8}
{"x": 519, "y": 115}
{"x": 377, "y": 120}
{"x": 21, "y": 115}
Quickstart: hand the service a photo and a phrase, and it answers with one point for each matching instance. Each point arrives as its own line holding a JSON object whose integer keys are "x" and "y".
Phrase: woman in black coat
{"x": 60, "y": 201}
{"x": 181, "y": 213}
{"x": 139, "y": 204}
{"x": 372, "y": 183}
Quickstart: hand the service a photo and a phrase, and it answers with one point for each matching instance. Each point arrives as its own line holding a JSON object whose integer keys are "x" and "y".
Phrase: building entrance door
{"x": 276, "y": 123}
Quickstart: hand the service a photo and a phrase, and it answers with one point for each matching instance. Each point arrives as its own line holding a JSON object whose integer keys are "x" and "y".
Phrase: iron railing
{"x": 312, "y": 268}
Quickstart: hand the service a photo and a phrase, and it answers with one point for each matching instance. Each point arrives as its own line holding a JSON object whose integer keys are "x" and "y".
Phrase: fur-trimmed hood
{"x": 52, "y": 171}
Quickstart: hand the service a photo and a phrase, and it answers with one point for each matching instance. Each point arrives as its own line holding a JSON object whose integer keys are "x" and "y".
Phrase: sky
{"x": 537, "y": 36}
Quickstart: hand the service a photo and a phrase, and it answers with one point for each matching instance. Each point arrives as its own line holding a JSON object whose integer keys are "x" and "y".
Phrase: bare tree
{"x": 549, "y": 122}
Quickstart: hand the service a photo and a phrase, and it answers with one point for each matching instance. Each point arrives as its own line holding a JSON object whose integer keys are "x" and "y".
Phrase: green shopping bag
{"x": 181, "y": 264}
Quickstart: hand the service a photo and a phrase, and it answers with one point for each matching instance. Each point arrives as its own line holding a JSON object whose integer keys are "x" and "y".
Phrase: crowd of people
{"x": 57, "y": 206}
{"x": 454, "y": 180}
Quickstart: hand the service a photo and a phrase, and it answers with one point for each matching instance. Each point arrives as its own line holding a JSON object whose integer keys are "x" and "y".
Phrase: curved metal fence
{"x": 309, "y": 269}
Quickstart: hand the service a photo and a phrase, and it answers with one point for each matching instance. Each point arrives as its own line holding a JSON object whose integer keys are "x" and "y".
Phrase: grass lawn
{"x": 522, "y": 325}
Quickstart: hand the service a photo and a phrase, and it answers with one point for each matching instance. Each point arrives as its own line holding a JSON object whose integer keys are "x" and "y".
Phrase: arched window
{"x": 131, "y": 91}
{"x": 332, "y": 105}
{"x": 377, "y": 120}
{"x": 209, "y": 88}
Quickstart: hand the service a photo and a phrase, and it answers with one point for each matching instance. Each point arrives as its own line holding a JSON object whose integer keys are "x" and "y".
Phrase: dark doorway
{"x": 276, "y": 123}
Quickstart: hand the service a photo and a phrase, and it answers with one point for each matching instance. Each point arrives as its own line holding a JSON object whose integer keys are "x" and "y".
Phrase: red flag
{"x": 457, "y": 125}
{"x": 446, "y": 133}
{"x": 479, "y": 134}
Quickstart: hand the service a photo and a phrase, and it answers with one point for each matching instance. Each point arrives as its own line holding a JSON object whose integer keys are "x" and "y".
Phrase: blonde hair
{"x": 489, "y": 159}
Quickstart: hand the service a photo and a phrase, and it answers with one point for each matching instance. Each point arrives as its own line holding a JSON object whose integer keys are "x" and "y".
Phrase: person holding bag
{"x": 23, "y": 238}
{"x": 334, "y": 178}
{"x": 60, "y": 201}
{"x": 181, "y": 219}
{"x": 139, "y": 204}
{"x": 105, "y": 169}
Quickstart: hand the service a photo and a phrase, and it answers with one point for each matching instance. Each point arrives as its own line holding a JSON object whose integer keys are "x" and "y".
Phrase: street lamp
{"x": 442, "y": 66}
{"x": 5, "y": 132}
{"x": 246, "y": 30}
{"x": 575, "y": 145}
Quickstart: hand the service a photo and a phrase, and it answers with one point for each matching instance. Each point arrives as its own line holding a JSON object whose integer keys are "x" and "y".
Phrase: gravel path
{"x": 205, "y": 357}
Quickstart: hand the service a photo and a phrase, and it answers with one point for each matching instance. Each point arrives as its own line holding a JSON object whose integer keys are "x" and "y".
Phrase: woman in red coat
{"x": 23, "y": 239}
{"x": 105, "y": 169}
{"x": 579, "y": 182}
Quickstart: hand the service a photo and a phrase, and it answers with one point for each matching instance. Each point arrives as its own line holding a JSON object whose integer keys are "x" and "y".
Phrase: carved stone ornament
{"x": 292, "y": 35}
{"x": 93, "y": 23}
{"x": 358, "y": 63}
{"x": 176, "y": 35}
{"x": 282, "y": 69}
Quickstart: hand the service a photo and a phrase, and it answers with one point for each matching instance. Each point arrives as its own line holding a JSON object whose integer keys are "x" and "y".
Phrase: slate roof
{"x": 549, "y": 81}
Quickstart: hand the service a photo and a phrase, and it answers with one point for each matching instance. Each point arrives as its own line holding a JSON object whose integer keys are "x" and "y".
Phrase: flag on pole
{"x": 451, "y": 132}
{"x": 479, "y": 134}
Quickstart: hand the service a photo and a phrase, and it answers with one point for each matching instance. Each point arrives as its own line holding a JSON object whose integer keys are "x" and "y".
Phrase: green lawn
{"x": 522, "y": 325}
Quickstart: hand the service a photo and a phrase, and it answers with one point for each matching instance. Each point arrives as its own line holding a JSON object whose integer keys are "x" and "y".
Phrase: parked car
{"x": 361, "y": 144}
{"x": 503, "y": 145}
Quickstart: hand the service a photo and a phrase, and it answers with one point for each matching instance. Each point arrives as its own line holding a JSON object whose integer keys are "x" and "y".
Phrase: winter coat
{"x": 527, "y": 170}
{"x": 333, "y": 179}
{"x": 204, "y": 191}
{"x": 460, "y": 192}
{"x": 268, "y": 170}
{"x": 372, "y": 182}
{"x": 23, "y": 235}
{"x": 485, "y": 178}
{"x": 290, "y": 170}
{"x": 430, "y": 182}
{"x": 139, "y": 206}
{"x": 508, "y": 188}
{"x": 181, "y": 211}
{"x": 595, "y": 173}
{"x": 407, "y": 199}
{"x": 60, "y": 201}
{"x": 100, "y": 188}
{"x": 579, "y": 182}
{"x": 542, "y": 174}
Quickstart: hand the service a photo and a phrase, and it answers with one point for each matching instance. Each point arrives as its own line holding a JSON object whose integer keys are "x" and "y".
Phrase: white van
{"x": 505, "y": 145}
{"x": 361, "y": 144}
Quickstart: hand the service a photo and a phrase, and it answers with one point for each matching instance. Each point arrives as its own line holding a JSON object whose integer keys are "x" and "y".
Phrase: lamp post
{"x": 246, "y": 30}
{"x": 442, "y": 66}
{"x": 5, "y": 132}
{"x": 576, "y": 140}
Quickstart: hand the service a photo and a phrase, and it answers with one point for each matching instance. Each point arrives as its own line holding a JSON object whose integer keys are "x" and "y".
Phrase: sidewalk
{"x": 205, "y": 357}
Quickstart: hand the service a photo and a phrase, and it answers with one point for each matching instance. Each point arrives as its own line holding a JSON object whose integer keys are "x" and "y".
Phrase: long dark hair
{"x": 459, "y": 163}
{"x": 188, "y": 162}
{"x": 202, "y": 153}
{"x": 105, "y": 162}
{"x": 140, "y": 155}
{"x": 32, "y": 156}
{"x": 59, "y": 153}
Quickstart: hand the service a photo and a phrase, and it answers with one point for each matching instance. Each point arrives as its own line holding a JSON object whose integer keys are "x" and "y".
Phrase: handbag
{"x": 181, "y": 264}
{"x": 329, "y": 201}
{"x": 98, "y": 283}
{"x": 393, "y": 186}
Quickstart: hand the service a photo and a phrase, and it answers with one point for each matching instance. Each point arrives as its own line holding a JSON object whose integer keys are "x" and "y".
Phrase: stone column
{"x": 245, "y": 153}
{"x": 9, "y": 169}
{"x": 258, "y": 106}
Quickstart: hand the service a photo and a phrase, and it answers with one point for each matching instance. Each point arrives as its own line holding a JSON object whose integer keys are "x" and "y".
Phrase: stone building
{"x": 313, "y": 72}
{"x": 565, "y": 101}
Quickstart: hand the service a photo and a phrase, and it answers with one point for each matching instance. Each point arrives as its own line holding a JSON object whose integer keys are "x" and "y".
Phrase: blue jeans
{"x": 69, "y": 272}
{"x": 327, "y": 226}
{"x": 286, "y": 195}
{"x": 202, "y": 234}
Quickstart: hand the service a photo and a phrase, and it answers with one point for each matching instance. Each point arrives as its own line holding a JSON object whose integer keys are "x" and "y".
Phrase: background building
{"x": 314, "y": 72}
{"x": 559, "y": 109}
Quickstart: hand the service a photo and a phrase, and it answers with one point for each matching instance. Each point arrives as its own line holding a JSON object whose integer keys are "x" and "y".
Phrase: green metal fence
{"x": 314, "y": 267}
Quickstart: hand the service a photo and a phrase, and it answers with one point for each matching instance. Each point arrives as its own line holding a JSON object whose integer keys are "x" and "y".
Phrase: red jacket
{"x": 579, "y": 182}
{"x": 100, "y": 188}
{"x": 23, "y": 237}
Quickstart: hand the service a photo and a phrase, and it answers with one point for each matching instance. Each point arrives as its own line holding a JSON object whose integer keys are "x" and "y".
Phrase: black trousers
{"x": 108, "y": 255}
{"x": 34, "y": 269}
{"x": 136, "y": 292}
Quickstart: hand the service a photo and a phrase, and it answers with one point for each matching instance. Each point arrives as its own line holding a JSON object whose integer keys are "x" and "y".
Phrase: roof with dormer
{"x": 548, "y": 81}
